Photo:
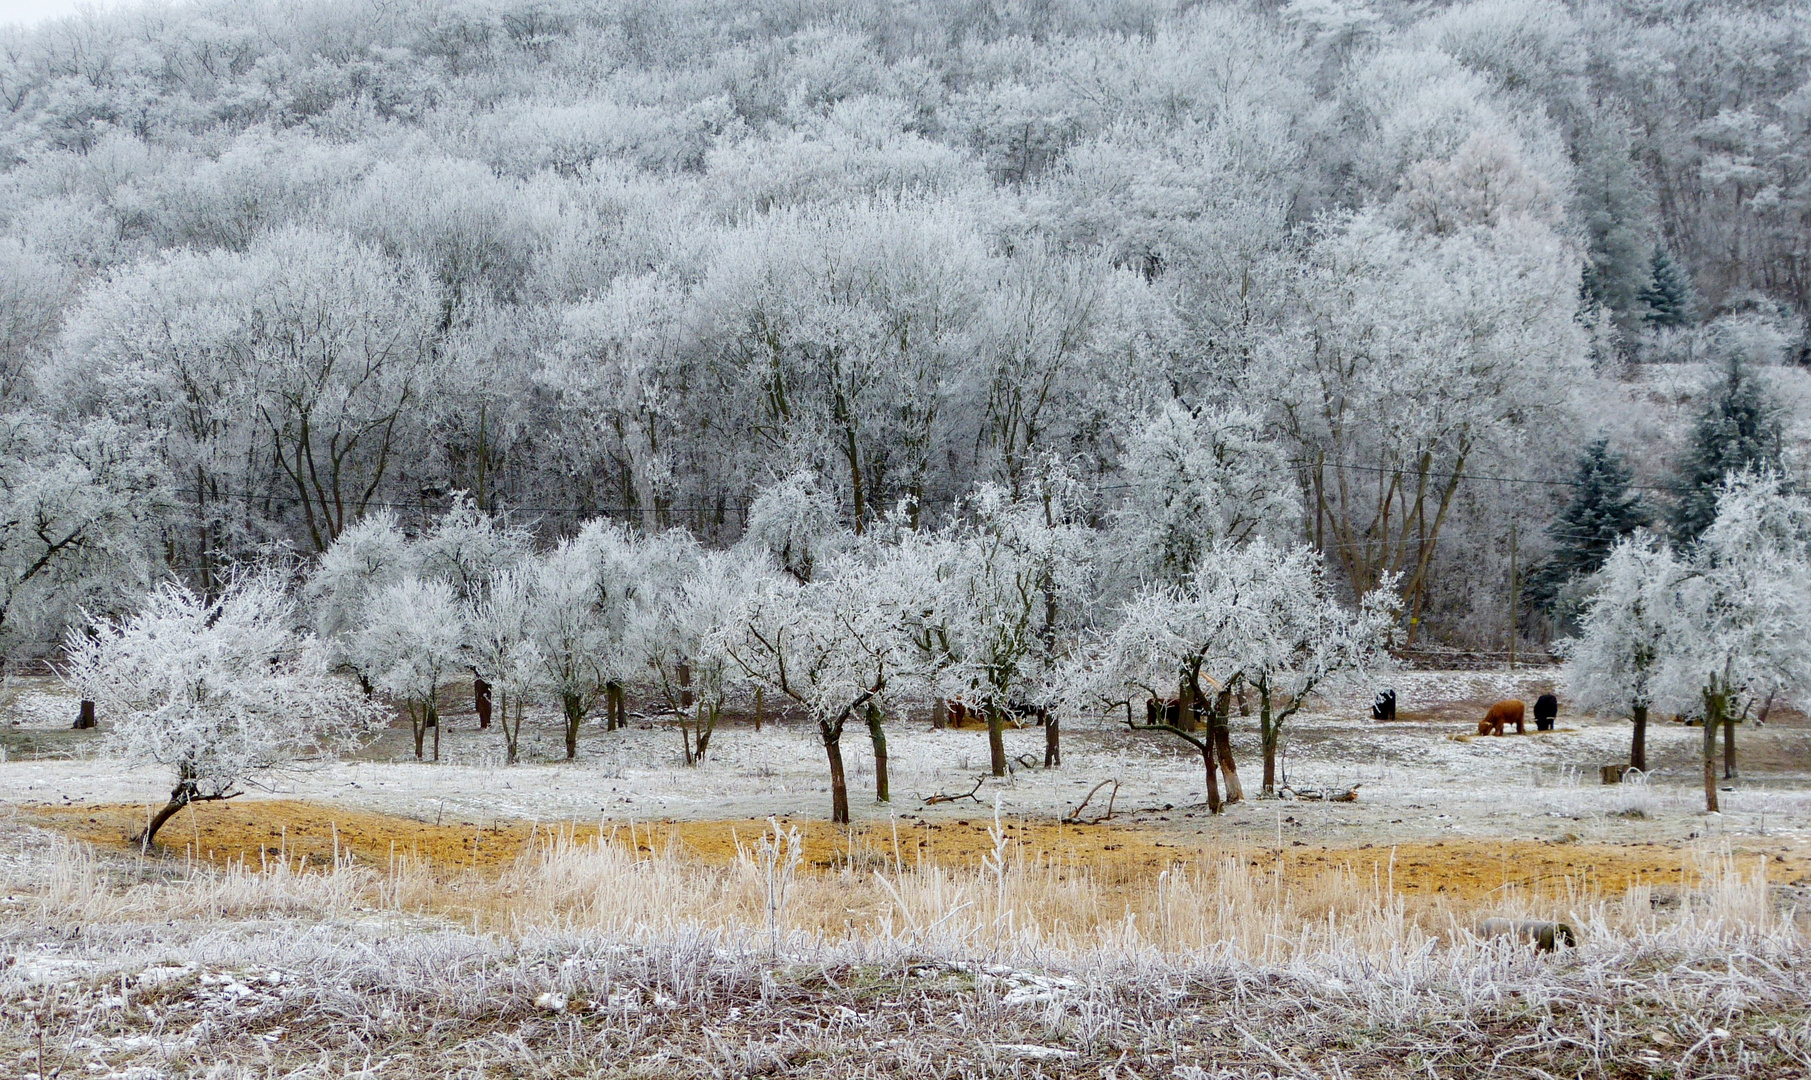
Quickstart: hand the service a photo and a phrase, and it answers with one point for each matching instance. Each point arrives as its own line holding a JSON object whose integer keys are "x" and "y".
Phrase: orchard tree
{"x": 832, "y": 646}
{"x": 468, "y": 548}
{"x": 1258, "y": 615}
{"x": 571, "y": 623}
{"x": 1747, "y": 605}
{"x": 981, "y": 605}
{"x": 412, "y": 643}
{"x": 214, "y": 690}
{"x": 1632, "y": 621}
{"x": 500, "y": 646}
{"x": 363, "y": 561}
{"x": 1296, "y": 637}
{"x": 679, "y": 625}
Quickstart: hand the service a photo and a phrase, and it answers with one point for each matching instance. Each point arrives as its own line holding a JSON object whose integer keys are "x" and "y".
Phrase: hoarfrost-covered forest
{"x": 1377, "y": 278}
{"x": 466, "y": 465}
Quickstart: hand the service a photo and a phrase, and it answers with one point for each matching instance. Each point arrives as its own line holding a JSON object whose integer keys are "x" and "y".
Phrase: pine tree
{"x": 1602, "y": 512}
{"x": 1668, "y": 295}
{"x": 1738, "y": 430}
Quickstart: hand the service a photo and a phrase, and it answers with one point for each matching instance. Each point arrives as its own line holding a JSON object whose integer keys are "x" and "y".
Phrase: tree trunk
{"x": 1213, "y": 777}
{"x": 1053, "y": 744}
{"x": 1223, "y": 744}
{"x": 879, "y": 738}
{"x": 418, "y": 727}
{"x": 1269, "y": 734}
{"x": 1716, "y": 704}
{"x": 708, "y": 726}
{"x": 512, "y": 726}
{"x": 839, "y": 784}
{"x": 1729, "y": 747}
{"x": 574, "y": 709}
{"x": 170, "y": 810}
{"x": 481, "y": 701}
{"x": 996, "y": 737}
{"x": 685, "y": 686}
{"x": 85, "y": 719}
{"x": 1208, "y": 753}
{"x": 940, "y": 714}
{"x": 1221, "y": 740}
{"x": 1638, "y": 743}
{"x": 759, "y": 701}
{"x": 433, "y": 713}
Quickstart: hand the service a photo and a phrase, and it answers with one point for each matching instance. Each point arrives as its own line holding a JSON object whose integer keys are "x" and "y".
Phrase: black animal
{"x": 1546, "y": 707}
{"x": 1384, "y": 708}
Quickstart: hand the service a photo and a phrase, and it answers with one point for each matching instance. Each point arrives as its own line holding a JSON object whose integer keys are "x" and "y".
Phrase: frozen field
{"x": 1416, "y": 778}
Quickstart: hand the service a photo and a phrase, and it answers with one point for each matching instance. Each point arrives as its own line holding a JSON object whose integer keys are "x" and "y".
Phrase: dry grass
{"x": 712, "y": 951}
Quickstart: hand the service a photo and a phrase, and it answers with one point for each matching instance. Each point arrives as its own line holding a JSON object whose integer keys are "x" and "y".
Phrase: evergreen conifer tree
{"x": 1738, "y": 430}
{"x": 1668, "y": 295}
{"x": 1602, "y": 512}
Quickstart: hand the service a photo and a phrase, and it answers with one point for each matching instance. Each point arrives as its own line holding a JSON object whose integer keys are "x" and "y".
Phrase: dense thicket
{"x": 1230, "y": 269}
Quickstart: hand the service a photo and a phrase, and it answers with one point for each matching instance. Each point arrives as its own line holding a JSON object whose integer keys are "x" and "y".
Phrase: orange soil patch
{"x": 267, "y": 830}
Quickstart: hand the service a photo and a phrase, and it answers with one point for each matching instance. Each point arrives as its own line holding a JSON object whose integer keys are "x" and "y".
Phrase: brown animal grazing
{"x": 1501, "y": 714}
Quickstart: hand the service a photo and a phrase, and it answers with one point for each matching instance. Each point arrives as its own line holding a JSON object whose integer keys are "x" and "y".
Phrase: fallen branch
{"x": 969, "y": 794}
{"x": 1320, "y": 794}
{"x": 1074, "y": 817}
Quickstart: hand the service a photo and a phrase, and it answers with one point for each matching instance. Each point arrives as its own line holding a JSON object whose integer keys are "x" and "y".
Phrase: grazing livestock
{"x": 1501, "y": 715}
{"x": 1384, "y": 708}
{"x": 1546, "y": 707}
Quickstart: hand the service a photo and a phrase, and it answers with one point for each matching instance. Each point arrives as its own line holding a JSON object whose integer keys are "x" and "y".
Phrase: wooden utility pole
{"x": 1513, "y": 594}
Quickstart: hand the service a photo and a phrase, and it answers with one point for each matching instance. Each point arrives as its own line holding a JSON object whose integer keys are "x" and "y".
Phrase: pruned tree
{"x": 412, "y": 643}
{"x": 679, "y": 625}
{"x": 1746, "y": 630}
{"x": 363, "y": 561}
{"x": 500, "y": 647}
{"x": 214, "y": 690}
{"x": 832, "y": 646}
{"x": 1258, "y": 615}
{"x": 1631, "y": 623}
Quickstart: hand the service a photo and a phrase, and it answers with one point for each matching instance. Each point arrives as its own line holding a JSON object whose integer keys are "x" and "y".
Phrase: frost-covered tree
{"x": 795, "y": 522}
{"x": 411, "y": 641}
{"x": 571, "y": 624}
{"x": 1739, "y": 428}
{"x": 214, "y": 690}
{"x": 1668, "y": 296}
{"x": 363, "y": 561}
{"x": 1602, "y": 513}
{"x": 978, "y": 604}
{"x": 501, "y": 648}
{"x": 1199, "y": 479}
{"x": 1746, "y": 631}
{"x": 832, "y": 646}
{"x": 78, "y": 510}
{"x": 468, "y": 547}
{"x": 1630, "y": 624}
{"x": 680, "y": 624}
{"x": 1259, "y": 615}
